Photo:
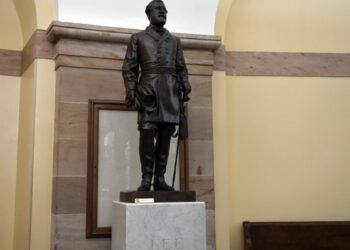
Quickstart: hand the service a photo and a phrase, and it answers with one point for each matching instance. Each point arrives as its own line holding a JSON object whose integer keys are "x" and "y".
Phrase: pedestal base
{"x": 159, "y": 226}
{"x": 159, "y": 196}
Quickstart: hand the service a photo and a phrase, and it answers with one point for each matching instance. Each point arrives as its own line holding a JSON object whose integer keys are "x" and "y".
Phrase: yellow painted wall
{"x": 45, "y": 12}
{"x": 35, "y": 157}
{"x": 221, "y": 161}
{"x": 222, "y": 13}
{"x": 25, "y": 160}
{"x": 9, "y": 92}
{"x": 289, "y": 148}
{"x": 26, "y": 12}
{"x": 34, "y": 14}
{"x": 11, "y": 39}
{"x": 221, "y": 140}
{"x": 10, "y": 28}
{"x": 43, "y": 155}
{"x": 288, "y": 137}
{"x": 32, "y": 222}
{"x": 295, "y": 26}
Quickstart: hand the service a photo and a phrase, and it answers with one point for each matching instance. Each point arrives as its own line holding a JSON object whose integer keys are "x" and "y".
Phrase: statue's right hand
{"x": 130, "y": 98}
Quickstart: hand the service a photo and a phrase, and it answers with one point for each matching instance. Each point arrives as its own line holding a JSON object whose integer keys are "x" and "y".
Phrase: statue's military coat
{"x": 163, "y": 72}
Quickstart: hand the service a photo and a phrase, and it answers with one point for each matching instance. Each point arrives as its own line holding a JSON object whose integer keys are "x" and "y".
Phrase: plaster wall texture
{"x": 288, "y": 26}
{"x": 9, "y": 108}
{"x": 43, "y": 155}
{"x": 289, "y": 144}
{"x": 35, "y": 157}
{"x": 25, "y": 160}
{"x": 27, "y": 16}
{"x": 10, "y": 27}
{"x": 34, "y": 14}
{"x": 287, "y": 137}
{"x": 11, "y": 39}
{"x": 221, "y": 161}
{"x": 222, "y": 12}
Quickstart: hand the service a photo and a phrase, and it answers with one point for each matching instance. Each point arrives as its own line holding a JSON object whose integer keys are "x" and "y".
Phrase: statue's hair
{"x": 150, "y": 6}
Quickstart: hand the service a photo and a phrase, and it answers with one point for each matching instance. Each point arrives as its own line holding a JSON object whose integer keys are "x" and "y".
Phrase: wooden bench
{"x": 296, "y": 235}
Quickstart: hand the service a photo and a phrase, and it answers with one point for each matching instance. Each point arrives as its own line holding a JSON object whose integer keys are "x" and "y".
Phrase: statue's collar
{"x": 157, "y": 36}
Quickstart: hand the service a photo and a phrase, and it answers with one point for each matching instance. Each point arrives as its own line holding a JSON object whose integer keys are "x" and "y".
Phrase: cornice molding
{"x": 58, "y": 30}
{"x": 90, "y": 46}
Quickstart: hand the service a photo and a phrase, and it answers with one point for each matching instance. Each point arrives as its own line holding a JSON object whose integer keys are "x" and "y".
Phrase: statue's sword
{"x": 182, "y": 133}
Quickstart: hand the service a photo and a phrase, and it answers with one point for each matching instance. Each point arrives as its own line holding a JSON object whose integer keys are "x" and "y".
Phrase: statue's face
{"x": 158, "y": 14}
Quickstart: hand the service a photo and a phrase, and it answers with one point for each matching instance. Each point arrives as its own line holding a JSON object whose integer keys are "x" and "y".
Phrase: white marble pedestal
{"x": 159, "y": 226}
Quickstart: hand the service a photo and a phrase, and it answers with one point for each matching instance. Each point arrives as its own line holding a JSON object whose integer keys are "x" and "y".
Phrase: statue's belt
{"x": 160, "y": 70}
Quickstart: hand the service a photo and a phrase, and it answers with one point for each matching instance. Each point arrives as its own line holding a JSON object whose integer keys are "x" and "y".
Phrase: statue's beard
{"x": 161, "y": 24}
{"x": 158, "y": 22}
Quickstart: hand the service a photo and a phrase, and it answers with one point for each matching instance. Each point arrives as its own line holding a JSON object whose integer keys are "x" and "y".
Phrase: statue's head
{"x": 156, "y": 12}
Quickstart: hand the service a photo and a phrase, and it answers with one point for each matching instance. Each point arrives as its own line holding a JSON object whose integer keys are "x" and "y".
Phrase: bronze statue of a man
{"x": 157, "y": 94}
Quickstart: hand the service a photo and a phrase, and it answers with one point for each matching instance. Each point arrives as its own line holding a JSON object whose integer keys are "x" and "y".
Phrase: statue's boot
{"x": 162, "y": 152}
{"x": 146, "y": 173}
{"x": 146, "y": 151}
{"x": 159, "y": 180}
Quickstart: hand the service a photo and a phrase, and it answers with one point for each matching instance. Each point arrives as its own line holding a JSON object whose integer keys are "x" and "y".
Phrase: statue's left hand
{"x": 186, "y": 89}
{"x": 130, "y": 98}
